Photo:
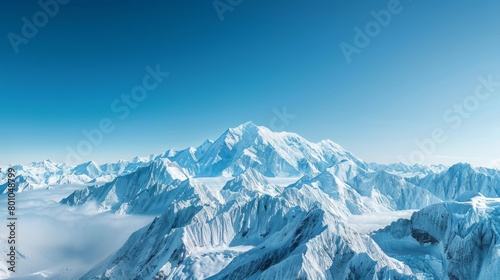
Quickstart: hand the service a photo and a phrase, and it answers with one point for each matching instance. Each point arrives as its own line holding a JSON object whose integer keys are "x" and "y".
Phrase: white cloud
{"x": 65, "y": 241}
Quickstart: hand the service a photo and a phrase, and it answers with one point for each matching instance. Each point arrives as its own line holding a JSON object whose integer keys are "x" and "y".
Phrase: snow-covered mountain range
{"x": 225, "y": 211}
{"x": 416, "y": 170}
{"x": 274, "y": 154}
{"x": 47, "y": 173}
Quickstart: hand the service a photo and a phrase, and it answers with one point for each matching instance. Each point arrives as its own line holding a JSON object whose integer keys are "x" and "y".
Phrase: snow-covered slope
{"x": 460, "y": 179}
{"x": 264, "y": 238}
{"x": 392, "y": 191}
{"x": 456, "y": 240}
{"x": 247, "y": 186}
{"x": 329, "y": 193}
{"x": 149, "y": 190}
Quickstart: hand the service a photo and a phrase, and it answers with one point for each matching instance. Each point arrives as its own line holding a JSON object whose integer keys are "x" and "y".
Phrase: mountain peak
{"x": 163, "y": 168}
{"x": 273, "y": 154}
{"x": 248, "y": 127}
{"x": 89, "y": 168}
{"x": 327, "y": 178}
{"x": 384, "y": 177}
{"x": 205, "y": 144}
{"x": 88, "y": 164}
{"x": 462, "y": 164}
{"x": 250, "y": 183}
{"x": 248, "y": 179}
{"x": 251, "y": 174}
{"x": 45, "y": 163}
{"x": 461, "y": 167}
{"x": 248, "y": 124}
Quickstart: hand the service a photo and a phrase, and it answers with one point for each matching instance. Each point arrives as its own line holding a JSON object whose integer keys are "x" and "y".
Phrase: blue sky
{"x": 263, "y": 56}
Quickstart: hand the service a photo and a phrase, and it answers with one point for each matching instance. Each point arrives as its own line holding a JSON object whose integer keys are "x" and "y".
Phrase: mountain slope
{"x": 247, "y": 186}
{"x": 149, "y": 190}
{"x": 264, "y": 238}
{"x": 392, "y": 191}
{"x": 460, "y": 179}
{"x": 450, "y": 240}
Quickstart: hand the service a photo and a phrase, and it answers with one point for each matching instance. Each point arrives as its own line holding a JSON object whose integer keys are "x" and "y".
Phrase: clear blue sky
{"x": 263, "y": 55}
